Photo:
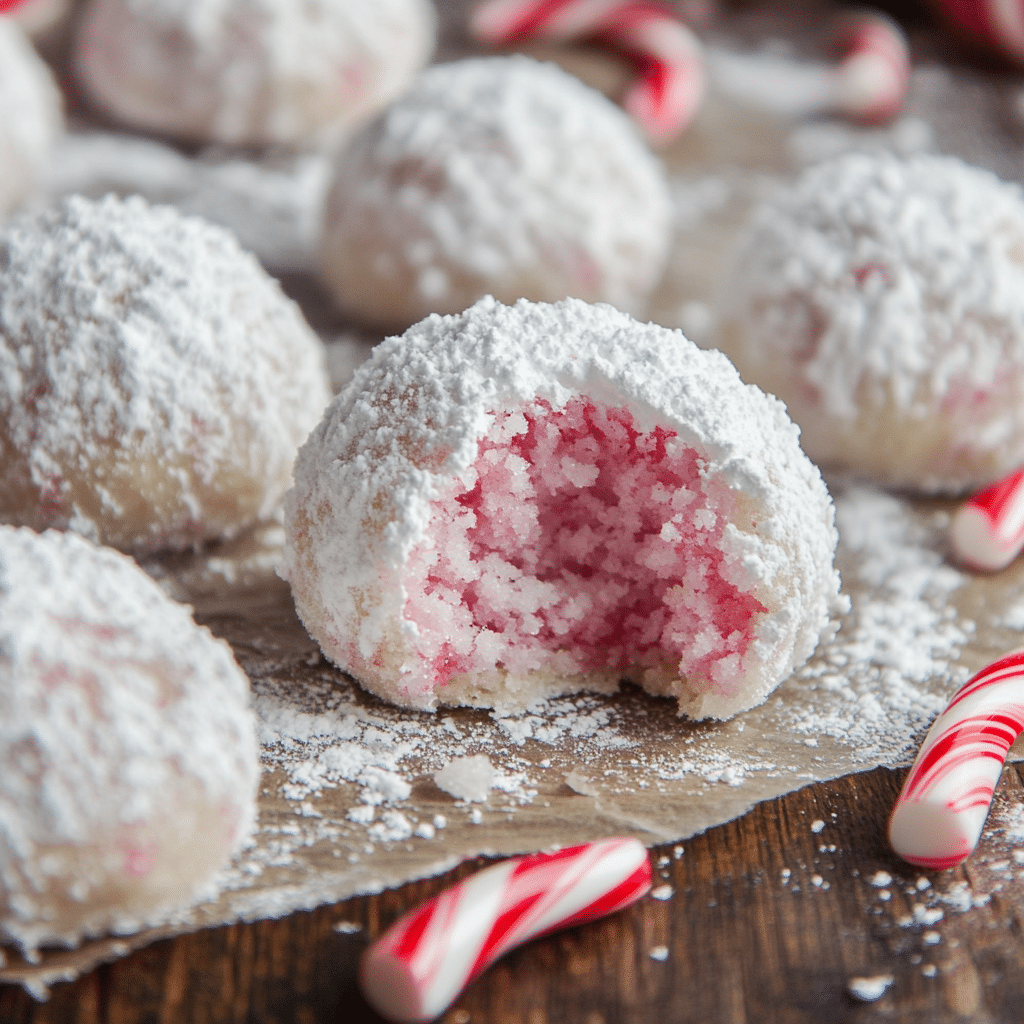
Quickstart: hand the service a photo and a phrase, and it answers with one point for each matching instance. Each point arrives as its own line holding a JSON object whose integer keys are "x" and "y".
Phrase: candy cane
{"x": 665, "y": 53}
{"x": 6, "y": 6}
{"x": 871, "y": 79}
{"x": 941, "y": 811}
{"x": 987, "y": 531}
{"x": 1000, "y": 23}
{"x": 415, "y": 970}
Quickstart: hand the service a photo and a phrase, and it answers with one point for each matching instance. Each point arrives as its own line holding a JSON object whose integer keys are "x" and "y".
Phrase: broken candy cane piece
{"x": 987, "y": 531}
{"x": 871, "y": 79}
{"x": 940, "y": 813}
{"x": 665, "y": 53}
{"x": 417, "y": 968}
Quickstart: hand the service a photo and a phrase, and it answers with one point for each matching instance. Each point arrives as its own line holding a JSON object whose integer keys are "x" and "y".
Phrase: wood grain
{"x": 744, "y": 943}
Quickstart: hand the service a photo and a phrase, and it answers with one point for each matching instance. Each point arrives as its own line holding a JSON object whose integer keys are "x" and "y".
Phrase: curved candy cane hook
{"x": 941, "y": 811}
{"x": 987, "y": 531}
{"x": 665, "y": 54}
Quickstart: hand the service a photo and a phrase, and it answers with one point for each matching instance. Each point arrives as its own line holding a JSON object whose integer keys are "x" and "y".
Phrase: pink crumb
{"x": 582, "y": 536}
{"x": 139, "y": 860}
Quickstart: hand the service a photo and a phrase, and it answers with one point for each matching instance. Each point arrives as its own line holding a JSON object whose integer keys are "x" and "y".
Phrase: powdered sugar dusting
{"x": 902, "y": 634}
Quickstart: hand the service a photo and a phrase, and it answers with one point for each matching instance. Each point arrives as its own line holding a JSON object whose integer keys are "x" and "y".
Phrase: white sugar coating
{"x": 522, "y": 501}
{"x": 251, "y": 72}
{"x": 497, "y": 176}
{"x": 155, "y": 382}
{"x": 31, "y": 115}
{"x": 467, "y": 778}
{"x": 128, "y": 755}
{"x": 883, "y": 300}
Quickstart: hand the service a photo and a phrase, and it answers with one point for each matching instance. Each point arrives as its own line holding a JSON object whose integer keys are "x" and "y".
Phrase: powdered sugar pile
{"x": 902, "y": 634}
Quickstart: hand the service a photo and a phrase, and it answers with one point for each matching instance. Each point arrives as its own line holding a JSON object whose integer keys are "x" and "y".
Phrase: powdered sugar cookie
{"x": 128, "y": 756}
{"x": 518, "y": 502}
{"x": 883, "y": 301}
{"x": 154, "y": 381}
{"x": 31, "y": 117}
{"x": 497, "y": 176}
{"x": 251, "y": 72}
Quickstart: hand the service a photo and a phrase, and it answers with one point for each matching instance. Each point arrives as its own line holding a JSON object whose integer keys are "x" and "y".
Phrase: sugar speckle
{"x": 868, "y": 989}
{"x": 467, "y": 778}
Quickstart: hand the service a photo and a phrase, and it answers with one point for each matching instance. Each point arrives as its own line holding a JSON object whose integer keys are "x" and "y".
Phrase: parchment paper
{"x": 348, "y": 803}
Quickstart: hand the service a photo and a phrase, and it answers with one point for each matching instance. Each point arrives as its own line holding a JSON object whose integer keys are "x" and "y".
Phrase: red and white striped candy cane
{"x": 941, "y": 811}
{"x": 6, "y": 6}
{"x": 871, "y": 79}
{"x": 415, "y": 970}
{"x": 665, "y": 53}
{"x": 998, "y": 23}
{"x": 987, "y": 531}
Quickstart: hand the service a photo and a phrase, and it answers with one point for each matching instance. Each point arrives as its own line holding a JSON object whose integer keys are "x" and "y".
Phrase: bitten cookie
{"x": 517, "y": 502}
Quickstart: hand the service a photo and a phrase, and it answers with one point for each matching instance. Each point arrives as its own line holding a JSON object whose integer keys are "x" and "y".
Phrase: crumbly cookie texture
{"x": 128, "y": 755}
{"x": 499, "y": 176}
{"x": 251, "y": 72}
{"x": 31, "y": 115}
{"x": 882, "y": 299}
{"x": 155, "y": 383}
{"x": 522, "y": 501}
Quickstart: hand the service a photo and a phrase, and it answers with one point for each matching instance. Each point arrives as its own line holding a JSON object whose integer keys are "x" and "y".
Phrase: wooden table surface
{"x": 746, "y": 942}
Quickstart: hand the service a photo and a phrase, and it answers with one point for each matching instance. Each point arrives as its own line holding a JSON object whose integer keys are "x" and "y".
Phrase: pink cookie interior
{"x": 584, "y": 538}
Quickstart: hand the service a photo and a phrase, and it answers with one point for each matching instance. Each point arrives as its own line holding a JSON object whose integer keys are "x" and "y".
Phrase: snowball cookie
{"x": 883, "y": 301}
{"x": 128, "y": 756}
{"x": 519, "y": 502}
{"x": 494, "y": 176}
{"x": 251, "y": 72}
{"x": 31, "y": 115}
{"x": 155, "y": 383}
